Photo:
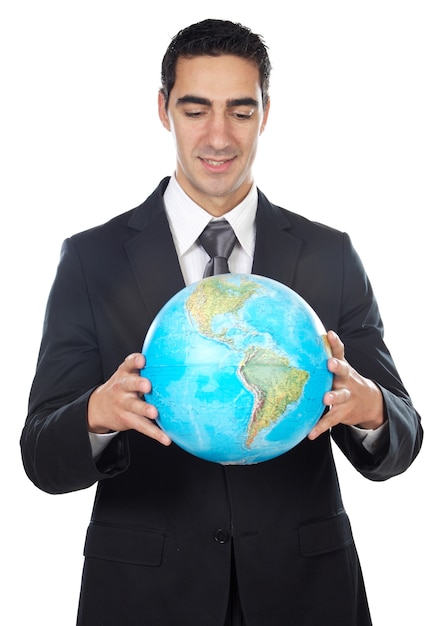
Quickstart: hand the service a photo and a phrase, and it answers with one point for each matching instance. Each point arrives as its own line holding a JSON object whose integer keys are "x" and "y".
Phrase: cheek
{"x": 250, "y": 138}
{"x": 251, "y": 145}
{"x": 188, "y": 144}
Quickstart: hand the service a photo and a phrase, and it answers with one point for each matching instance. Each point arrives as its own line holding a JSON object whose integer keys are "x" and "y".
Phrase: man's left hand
{"x": 353, "y": 400}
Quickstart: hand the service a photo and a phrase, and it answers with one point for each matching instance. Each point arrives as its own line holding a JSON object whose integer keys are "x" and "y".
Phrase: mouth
{"x": 214, "y": 164}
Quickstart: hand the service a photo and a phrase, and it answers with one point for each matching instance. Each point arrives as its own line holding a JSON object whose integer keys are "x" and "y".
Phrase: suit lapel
{"x": 152, "y": 254}
{"x": 277, "y": 247}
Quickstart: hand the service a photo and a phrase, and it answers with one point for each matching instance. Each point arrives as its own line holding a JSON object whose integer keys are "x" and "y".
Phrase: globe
{"x": 238, "y": 368}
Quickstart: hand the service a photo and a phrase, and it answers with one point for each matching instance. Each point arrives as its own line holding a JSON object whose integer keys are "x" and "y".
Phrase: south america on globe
{"x": 238, "y": 368}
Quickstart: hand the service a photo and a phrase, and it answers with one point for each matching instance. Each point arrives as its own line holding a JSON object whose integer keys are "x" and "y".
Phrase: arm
{"x": 69, "y": 389}
{"x": 367, "y": 391}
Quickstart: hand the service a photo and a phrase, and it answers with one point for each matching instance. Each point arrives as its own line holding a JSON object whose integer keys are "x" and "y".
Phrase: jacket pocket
{"x": 124, "y": 544}
{"x": 326, "y": 535}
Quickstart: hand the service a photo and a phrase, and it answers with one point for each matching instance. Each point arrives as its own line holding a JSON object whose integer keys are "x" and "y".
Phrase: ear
{"x": 265, "y": 118}
{"x": 163, "y": 113}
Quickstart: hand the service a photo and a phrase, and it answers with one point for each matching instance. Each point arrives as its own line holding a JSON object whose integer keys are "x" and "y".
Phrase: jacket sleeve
{"x": 55, "y": 445}
{"x": 360, "y": 328}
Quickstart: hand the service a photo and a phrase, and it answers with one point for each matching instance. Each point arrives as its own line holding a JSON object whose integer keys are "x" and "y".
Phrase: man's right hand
{"x": 119, "y": 403}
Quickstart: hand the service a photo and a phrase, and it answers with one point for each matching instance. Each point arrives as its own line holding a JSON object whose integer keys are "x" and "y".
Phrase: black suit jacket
{"x": 165, "y": 524}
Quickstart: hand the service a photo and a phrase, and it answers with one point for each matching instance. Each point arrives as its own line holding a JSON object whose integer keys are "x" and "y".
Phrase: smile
{"x": 216, "y": 163}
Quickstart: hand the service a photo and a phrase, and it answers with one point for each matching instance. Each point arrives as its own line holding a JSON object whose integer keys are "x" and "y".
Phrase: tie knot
{"x": 218, "y": 241}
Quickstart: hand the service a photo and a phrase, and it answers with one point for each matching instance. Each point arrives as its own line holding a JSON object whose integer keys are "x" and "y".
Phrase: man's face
{"x": 216, "y": 116}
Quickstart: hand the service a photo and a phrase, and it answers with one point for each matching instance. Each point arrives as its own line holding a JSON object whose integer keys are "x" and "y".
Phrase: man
{"x": 174, "y": 540}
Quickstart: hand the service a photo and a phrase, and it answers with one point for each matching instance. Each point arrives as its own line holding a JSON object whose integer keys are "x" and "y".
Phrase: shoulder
{"x": 310, "y": 232}
{"x": 125, "y": 225}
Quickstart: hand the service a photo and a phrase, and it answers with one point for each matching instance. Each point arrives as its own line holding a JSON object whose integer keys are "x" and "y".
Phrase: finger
{"x": 128, "y": 376}
{"x": 336, "y": 397}
{"x": 134, "y": 383}
{"x": 332, "y": 417}
{"x": 336, "y": 345}
{"x": 145, "y": 414}
{"x": 334, "y": 366}
{"x": 140, "y": 415}
{"x": 331, "y": 399}
{"x": 150, "y": 429}
{"x": 140, "y": 407}
{"x": 133, "y": 362}
{"x": 324, "y": 424}
{"x": 341, "y": 370}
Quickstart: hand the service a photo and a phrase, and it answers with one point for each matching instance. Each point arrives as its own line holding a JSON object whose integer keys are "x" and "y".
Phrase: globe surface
{"x": 238, "y": 367}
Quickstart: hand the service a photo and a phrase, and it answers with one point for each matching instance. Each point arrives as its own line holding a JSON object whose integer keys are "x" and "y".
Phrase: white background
{"x": 355, "y": 139}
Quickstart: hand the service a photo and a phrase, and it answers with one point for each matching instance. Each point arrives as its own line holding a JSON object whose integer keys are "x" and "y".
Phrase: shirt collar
{"x": 187, "y": 219}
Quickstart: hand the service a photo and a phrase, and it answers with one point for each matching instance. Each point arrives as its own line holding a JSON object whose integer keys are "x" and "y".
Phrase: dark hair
{"x": 215, "y": 38}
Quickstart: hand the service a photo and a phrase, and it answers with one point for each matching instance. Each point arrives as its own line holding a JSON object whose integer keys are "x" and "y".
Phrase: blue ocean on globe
{"x": 238, "y": 367}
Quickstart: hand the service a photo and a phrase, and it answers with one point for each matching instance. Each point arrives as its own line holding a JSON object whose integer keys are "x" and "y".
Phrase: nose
{"x": 218, "y": 132}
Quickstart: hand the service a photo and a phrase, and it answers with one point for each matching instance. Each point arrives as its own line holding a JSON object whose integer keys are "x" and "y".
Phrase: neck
{"x": 215, "y": 205}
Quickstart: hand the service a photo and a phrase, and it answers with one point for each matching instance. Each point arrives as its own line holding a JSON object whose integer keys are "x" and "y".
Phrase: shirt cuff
{"x": 371, "y": 440}
{"x": 99, "y": 442}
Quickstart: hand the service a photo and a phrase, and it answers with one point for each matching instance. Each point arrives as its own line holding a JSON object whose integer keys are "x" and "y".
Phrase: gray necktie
{"x": 218, "y": 241}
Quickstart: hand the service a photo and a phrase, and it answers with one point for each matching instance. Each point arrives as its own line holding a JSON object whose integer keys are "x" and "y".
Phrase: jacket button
{"x": 221, "y": 536}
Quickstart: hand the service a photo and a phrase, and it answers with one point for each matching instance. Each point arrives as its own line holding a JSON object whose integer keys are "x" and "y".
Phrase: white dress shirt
{"x": 187, "y": 220}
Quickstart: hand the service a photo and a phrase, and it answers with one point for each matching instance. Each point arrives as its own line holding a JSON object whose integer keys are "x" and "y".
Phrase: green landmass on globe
{"x": 275, "y": 387}
{"x": 238, "y": 367}
{"x": 218, "y": 297}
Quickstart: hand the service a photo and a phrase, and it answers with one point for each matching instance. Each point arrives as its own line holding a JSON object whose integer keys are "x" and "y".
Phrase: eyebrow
{"x": 235, "y": 102}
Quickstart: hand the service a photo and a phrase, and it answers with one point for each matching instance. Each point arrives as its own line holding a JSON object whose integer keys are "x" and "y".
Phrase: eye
{"x": 194, "y": 114}
{"x": 243, "y": 115}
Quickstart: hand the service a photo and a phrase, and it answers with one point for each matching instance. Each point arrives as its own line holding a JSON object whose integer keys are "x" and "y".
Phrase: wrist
{"x": 375, "y": 417}
{"x": 95, "y": 425}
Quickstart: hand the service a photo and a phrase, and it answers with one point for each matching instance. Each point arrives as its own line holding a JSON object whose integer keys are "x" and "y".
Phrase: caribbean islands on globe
{"x": 238, "y": 368}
